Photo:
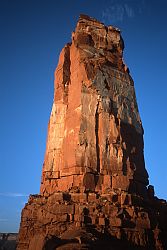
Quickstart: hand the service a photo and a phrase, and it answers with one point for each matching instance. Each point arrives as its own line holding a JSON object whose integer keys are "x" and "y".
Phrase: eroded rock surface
{"x": 94, "y": 189}
{"x": 95, "y": 135}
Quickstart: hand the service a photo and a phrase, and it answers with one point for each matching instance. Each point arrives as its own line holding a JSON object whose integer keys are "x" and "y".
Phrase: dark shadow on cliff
{"x": 133, "y": 158}
{"x": 90, "y": 238}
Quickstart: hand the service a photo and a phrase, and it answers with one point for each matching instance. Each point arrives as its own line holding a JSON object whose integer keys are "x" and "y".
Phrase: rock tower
{"x": 94, "y": 189}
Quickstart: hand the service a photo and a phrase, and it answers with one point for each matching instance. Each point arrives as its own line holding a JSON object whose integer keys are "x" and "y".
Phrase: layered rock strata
{"x": 94, "y": 188}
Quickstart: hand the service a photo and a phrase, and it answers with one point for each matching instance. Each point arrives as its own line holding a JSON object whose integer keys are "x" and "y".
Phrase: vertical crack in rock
{"x": 66, "y": 72}
{"x": 97, "y": 137}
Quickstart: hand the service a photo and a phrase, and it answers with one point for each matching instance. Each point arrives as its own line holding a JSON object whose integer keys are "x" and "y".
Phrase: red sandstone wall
{"x": 95, "y": 132}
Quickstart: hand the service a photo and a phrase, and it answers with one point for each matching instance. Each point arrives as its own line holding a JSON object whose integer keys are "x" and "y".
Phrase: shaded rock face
{"x": 94, "y": 190}
{"x": 95, "y": 135}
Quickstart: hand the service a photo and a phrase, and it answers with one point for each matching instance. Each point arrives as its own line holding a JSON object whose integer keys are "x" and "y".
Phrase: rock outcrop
{"x": 94, "y": 189}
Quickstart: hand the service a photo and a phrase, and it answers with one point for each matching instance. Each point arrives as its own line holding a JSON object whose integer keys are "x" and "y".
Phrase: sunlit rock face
{"x": 95, "y": 135}
{"x": 94, "y": 189}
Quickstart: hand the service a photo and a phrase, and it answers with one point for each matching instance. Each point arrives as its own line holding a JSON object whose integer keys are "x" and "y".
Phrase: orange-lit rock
{"x": 94, "y": 117}
{"x": 94, "y": 192}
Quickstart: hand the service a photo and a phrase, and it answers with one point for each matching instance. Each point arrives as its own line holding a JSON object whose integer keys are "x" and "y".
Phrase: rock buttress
{"x": 95, "y": 135}
{"x": 94, "y": 192}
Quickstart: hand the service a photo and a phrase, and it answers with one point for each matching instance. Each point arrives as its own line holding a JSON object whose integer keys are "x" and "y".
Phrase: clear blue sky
{"x": 33, "y": 33}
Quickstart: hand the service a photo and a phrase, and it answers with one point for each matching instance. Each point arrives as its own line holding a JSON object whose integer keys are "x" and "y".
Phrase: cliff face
{"x": 94, "y": 189}
{"x": 95, "y": 136}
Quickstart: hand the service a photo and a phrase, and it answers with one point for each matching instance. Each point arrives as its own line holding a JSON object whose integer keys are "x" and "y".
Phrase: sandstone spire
{"x": 95, "y": 135}
{"x": 94, "y": 191}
